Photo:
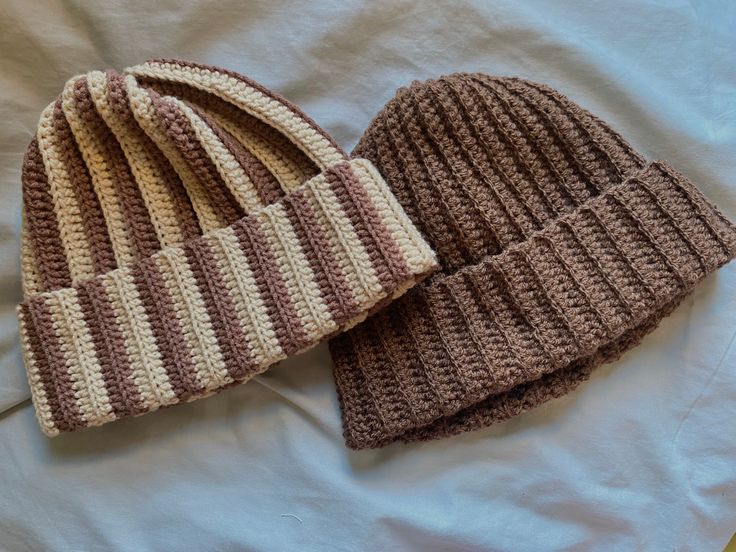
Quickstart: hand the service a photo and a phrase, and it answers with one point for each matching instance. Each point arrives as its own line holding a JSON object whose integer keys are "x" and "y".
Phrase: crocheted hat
{"x": 560, "y": 248}
{"x": 185, "y": 228}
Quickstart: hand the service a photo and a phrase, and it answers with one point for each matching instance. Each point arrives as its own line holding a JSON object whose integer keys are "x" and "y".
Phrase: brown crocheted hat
{"x": 560, "y": 248}
{"x": 185, "y": 228}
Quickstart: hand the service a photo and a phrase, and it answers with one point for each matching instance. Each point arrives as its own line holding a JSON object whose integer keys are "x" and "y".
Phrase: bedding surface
{"x": 641, "y": 457}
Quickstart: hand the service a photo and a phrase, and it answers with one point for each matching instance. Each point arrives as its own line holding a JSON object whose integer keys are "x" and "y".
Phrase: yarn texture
{"x": 560, "y": 248}
{"x": 184, "y": 229}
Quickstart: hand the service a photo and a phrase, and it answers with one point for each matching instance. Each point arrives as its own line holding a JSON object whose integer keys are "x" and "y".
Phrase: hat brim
{"x": 496, "y": 338}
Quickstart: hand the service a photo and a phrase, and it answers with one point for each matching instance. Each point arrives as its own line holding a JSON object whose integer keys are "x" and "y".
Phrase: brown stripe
{"x": 236, "y": 352}
{"x": 626, "y": 158}
{"x": 377, "y": 146}
{"x": 499, "y": 309}
{"x": 442, "y": 369}
{"x": 439, "y": 212}
{"x": 285, "y": 148}
{"x": 51, "y": 365}
{"x": 262, "y": 89}
{"x": 591, "y": 127}
{"x": 708, "y": 214}
{"x": 453, "y": 177}
{"x": 469, "y": 185}
{"x": 391, "y": 325}
{"x": 552, "y": 168}
{"x": 577, "y": 174}
{"x": 460, "y": 128}
{"x": 360, "y": 415}
{"x": 119, "y": 102}
{"x": 532, "y": 194}
{"x": 586, "y": 152}
{"x": 385, "y": 255}
{"x": 380, "y": 381}
{"x": 266, "y": 184}
{"x": 175, "y": 355}
{"x": 110, "y": 348}
{"x": 93, "y": 218}
{"x": 333, "y": 285}
{"x": 138, "y": 225}
{"x": 42, "y": 222}
{"x": 270, "y": 281}
{"x": 178, "y": 128}
{"x": 462, "y": 337}
{"x": 278, "y": 143}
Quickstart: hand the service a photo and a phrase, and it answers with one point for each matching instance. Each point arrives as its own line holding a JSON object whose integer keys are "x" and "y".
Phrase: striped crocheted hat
{"x": 184, "y": 229}
{"x": 560, "y": 248}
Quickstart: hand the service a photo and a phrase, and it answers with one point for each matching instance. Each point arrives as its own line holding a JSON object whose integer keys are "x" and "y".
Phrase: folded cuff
{"x": 192, "y": 319}
{"x": 516, "y": 329}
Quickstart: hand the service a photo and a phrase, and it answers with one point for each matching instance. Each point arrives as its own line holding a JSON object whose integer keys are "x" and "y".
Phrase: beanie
{"x": 184, "y": 228}
{"x": 560, "y": 247}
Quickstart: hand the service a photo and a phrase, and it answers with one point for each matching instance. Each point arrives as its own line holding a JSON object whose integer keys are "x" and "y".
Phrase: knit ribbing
{"x": 560, "y": 249}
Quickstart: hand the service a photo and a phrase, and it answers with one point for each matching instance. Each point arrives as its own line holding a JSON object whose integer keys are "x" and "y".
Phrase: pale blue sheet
{"x": 643, "y": 457}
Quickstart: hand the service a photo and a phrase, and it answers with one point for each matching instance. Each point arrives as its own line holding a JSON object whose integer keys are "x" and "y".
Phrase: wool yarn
{"x": 184, "y": 228}
{"x": 560, "y": 247}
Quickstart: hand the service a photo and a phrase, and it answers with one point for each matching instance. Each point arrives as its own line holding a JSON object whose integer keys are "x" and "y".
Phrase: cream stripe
{"x": 147, "y": 368}
{"x": 38, "y": 394}
{"x": 102, "y": 180}
{"x": 238, "y": 277}
{"x": 417, "y": 254}
{"x": 144, "y": 113}
{"x": 195, "y": 322}
{"x": 29, "y": 266}
{"x": 149, "y": 179}
{"x": 285, "y": 170}
{"x": 269, "y": 110}
{"x": 66, "y": 207}
{"x": 298, "y": 276}
{"x": 237, "y": 181}
{"x": 81, "y": 358}
{"x": 346, "y": 243}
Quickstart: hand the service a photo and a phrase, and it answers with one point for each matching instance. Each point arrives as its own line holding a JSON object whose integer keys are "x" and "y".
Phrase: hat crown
{"x": 480, "y": 162}
{"x": 125, "y": 164}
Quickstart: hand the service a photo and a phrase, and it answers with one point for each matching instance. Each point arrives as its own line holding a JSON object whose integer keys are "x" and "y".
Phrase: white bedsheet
{"x": 642, "y": 457}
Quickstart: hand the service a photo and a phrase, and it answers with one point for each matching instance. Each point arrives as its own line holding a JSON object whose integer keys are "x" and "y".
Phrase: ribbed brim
{"x": 516, "y": 329}
{"x": 192, "y": 319}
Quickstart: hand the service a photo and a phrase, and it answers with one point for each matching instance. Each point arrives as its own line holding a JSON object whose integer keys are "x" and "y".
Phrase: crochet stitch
{"x": 184, "y": 229}
{"x": 560, "y": 248}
